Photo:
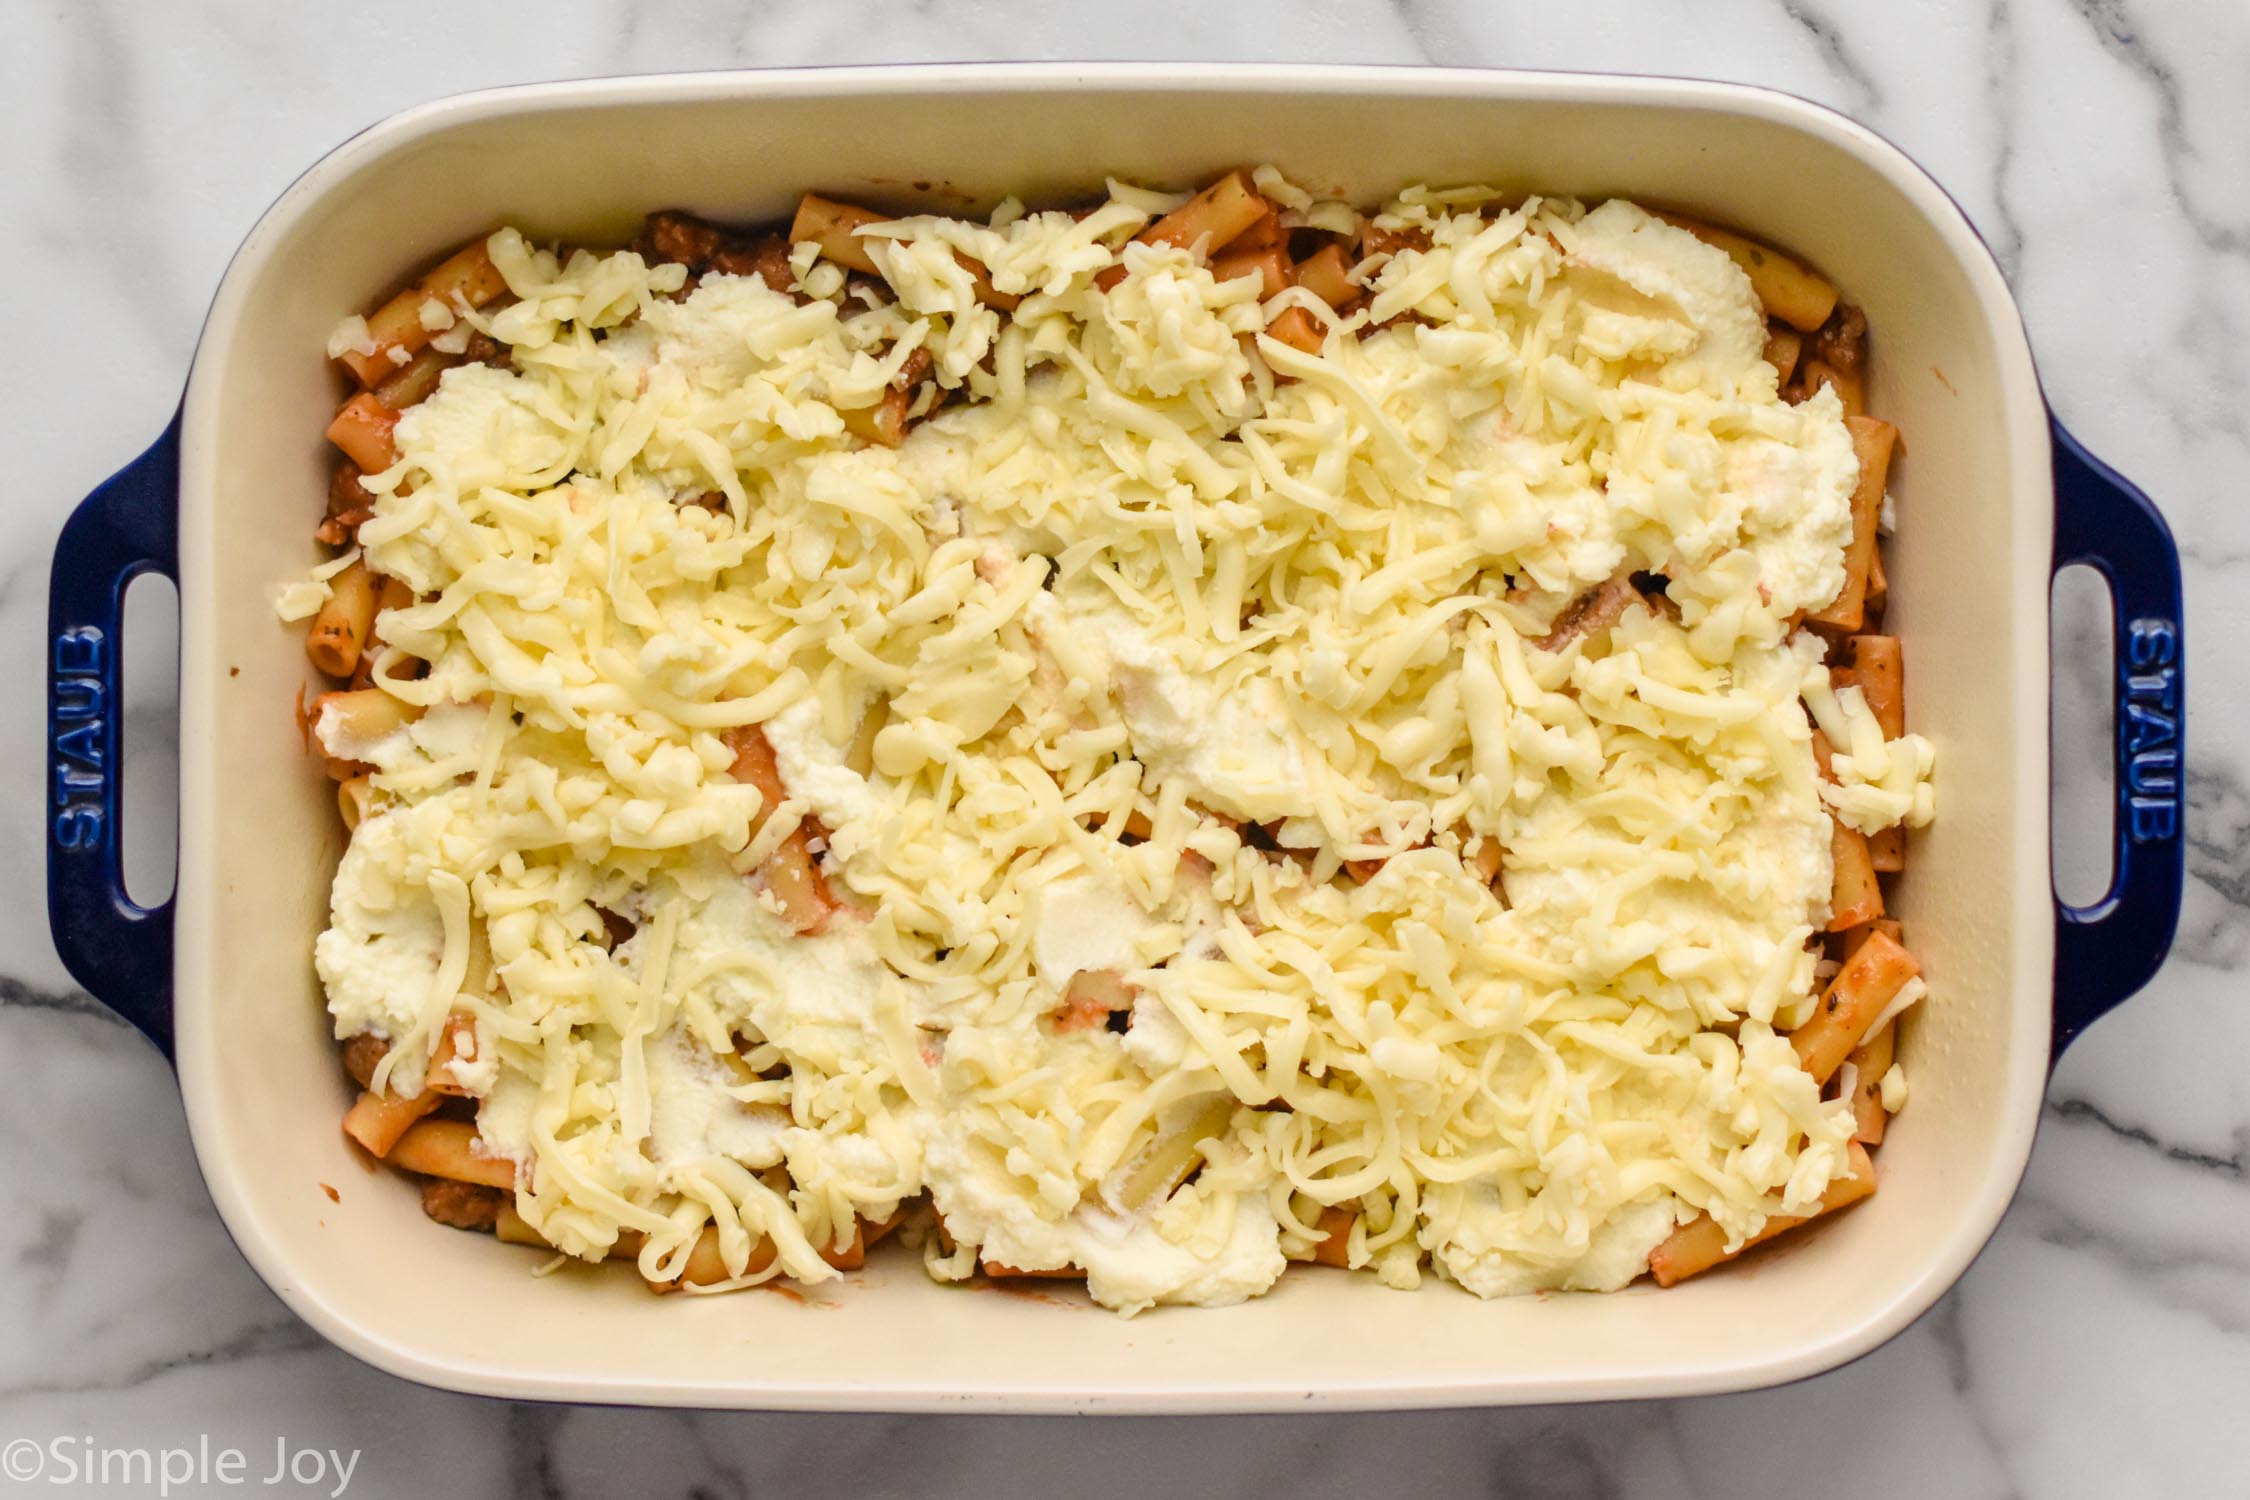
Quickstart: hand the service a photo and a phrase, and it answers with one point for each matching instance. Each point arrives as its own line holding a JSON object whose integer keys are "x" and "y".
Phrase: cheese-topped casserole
{"x": 1226, "y": 797}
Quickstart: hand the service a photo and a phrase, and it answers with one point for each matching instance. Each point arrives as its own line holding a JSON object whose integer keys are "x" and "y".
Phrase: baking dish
{"x": 1994, "y": 497}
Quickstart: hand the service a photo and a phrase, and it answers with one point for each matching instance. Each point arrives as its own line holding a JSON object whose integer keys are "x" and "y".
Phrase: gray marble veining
{"x": 2101, "y": 1347}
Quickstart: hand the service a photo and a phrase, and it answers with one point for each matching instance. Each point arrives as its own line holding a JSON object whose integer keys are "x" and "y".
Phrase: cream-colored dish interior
{"x": 259, "y": 835}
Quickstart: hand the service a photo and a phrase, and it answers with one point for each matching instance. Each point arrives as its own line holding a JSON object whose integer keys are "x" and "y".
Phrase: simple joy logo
{"x": 78, "y": 1460}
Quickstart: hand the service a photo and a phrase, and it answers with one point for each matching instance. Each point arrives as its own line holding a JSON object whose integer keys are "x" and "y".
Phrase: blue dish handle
{"x": 119, "y": 950}
{"x": 2108, "y": 949}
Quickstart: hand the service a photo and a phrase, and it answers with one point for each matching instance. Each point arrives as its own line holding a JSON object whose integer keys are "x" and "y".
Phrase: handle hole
{"x": 149, "y": 779}
{"x": 2081, "y": 841}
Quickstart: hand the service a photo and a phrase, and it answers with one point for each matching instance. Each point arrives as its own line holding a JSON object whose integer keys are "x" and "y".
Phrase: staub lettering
{"x": 2148, "y": 730}
{"x": 81, "y": 758}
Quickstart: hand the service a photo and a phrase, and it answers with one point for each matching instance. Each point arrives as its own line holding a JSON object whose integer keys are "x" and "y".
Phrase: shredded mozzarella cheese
{"x": 1280, "y": 612}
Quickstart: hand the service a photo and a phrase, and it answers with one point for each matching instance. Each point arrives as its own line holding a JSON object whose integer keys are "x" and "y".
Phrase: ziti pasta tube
{"x": 1703, "y": 1244}
{"x": 340, "y": 631}
{"x": 363, "y": 429}
{"x": 397, "y": 329}
{"x": 831, "y": 226}
{"x": 1787, "y": 289}
{"x": 379, "y": 1121}
{"x": 1872, "y": 442}
{"x": 447, "y": 1148}
{"x": 1854, "y": 998}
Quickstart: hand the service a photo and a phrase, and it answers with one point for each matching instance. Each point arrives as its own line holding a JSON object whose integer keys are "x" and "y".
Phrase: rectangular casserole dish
{"x": 1994, "y": 498}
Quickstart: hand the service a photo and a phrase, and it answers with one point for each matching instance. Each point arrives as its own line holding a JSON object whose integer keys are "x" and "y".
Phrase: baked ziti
{"x": 1142, "y": 741}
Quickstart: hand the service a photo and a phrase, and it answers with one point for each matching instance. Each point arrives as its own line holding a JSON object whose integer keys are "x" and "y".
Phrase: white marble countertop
{"x": 2101, "y": 1347}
